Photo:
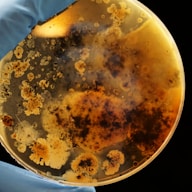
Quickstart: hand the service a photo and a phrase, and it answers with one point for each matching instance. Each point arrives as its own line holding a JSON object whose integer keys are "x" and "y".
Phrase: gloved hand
{"x": 18, "y": 17}
{"x": 16, "y": 179}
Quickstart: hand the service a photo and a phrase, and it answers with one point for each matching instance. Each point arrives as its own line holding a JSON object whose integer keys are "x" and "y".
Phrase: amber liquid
{"x": 98, "y": 99}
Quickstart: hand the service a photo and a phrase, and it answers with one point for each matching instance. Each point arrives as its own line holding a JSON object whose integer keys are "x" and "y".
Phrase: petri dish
{"x": 92, "y": 97}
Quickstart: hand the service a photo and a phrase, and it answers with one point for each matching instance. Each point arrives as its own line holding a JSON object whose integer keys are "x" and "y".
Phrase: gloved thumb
{"x": 16, "y": 179}
{"x": 18, "y": 17}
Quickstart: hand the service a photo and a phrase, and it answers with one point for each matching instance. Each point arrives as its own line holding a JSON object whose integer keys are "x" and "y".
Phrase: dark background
{"x": 172, "y": 168}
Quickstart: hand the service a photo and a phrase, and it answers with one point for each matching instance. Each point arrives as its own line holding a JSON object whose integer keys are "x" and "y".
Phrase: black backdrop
{"x": 172, "y": 168}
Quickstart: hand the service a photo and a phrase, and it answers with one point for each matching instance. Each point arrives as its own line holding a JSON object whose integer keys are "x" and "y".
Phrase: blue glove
{"x": 16, "y": 179}
{"x": 18, "y": 17}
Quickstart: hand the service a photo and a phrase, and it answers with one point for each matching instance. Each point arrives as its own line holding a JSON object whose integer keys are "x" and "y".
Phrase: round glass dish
{"x": 93, "y": 95}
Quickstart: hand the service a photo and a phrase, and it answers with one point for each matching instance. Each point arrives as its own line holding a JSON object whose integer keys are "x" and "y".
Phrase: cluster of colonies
{"x": 99, "y": 111}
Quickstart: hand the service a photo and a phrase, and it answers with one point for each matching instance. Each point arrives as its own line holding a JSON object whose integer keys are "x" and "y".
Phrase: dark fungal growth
{"x": 74, "y": 39}
{"x": 98, "y": 120}
{"x": 146, "y": 131}
{"x": 7, "y": 120}
{"x": 86, "y": 163}
{"x": 115, "y": 64}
